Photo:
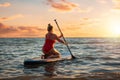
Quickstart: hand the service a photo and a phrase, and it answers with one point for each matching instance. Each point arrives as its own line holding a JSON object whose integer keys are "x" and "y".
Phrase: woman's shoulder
{"x": 55, "y": 36}
{"x": 51, "y": 35}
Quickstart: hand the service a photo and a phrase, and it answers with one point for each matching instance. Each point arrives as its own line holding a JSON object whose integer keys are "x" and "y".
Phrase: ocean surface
{"x": 96, "y": 58}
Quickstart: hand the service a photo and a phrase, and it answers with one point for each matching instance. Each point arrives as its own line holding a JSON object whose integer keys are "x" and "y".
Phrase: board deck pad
{"x": 39, "y": 61}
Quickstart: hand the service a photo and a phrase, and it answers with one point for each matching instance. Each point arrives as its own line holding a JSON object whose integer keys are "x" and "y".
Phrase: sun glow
{"x": 115, "y": 28}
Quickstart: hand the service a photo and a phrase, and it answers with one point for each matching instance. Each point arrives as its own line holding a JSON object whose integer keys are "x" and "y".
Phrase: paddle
{"x": 64, "y": 39}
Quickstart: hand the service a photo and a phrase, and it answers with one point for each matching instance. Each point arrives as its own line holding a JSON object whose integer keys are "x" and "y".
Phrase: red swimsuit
{"x": 49, "y": 44}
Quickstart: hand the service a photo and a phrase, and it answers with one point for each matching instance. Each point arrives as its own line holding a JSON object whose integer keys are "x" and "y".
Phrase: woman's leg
{"x": 54, "y": 53}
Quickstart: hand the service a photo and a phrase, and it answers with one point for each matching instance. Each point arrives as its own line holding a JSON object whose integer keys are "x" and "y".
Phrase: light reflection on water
{"x": 94, "y": 55}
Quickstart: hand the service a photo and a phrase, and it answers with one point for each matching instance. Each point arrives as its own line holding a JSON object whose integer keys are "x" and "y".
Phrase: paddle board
{"x": 39, "y": 61}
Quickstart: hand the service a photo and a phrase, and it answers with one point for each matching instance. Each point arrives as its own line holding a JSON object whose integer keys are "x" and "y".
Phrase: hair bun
{"x": 49, "y": 24}
{"x": 50, "y": 27}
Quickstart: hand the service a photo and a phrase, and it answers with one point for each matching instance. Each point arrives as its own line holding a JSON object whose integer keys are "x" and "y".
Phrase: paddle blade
{"x": 73, "y": 57}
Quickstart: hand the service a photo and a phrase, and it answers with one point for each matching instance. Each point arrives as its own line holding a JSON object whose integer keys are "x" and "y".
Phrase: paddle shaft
{"x": 64, "y": 38}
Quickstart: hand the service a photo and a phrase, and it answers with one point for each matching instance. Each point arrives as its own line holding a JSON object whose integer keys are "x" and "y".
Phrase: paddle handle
{"x": 64, "y": 38}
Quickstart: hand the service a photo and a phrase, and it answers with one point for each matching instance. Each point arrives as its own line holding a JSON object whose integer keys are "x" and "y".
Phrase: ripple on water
{"x": 93, "y": 56}
{"x": 114, "y": 64}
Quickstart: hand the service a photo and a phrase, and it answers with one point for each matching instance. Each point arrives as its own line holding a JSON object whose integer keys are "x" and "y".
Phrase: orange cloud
{"x": 63, "y": 5}
{"x": 6, "y": 4}
{"x": 11, "y": 17}
{"x": 21, "y": 31}
{"x": 117, "y": 4}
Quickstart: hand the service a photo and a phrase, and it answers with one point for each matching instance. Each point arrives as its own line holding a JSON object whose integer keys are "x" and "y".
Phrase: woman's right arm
{"x": 60, "y": 36}
{"x": 59, "y": 40}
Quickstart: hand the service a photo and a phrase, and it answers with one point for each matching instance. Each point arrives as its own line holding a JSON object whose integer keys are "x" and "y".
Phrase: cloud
{"x": 11, "y": 17}
{"x": 116, "y": 4}
{"x": 102, "y": 1}
{"x": 6, "y": 4}
{"x": 89, "y": 22}
{"x": 4, "y": 29}
{"x": 65, "y": 6}
{"x": 20, "y": 31}
{"x": 62, "y": 5}
{"x": 1, "y": 26}
{"x": 84, "y": 10}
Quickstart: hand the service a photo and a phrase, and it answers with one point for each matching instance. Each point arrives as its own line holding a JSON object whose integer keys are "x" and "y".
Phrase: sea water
{"x": 95, "y": 56}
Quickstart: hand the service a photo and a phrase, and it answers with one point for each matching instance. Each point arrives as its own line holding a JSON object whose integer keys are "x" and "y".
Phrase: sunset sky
{"x": 77, "y": 18}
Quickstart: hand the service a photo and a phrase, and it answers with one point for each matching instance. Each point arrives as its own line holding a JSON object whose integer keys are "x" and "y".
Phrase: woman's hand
{"x": 65, "y": 43}
{"x": 61, "y": 36}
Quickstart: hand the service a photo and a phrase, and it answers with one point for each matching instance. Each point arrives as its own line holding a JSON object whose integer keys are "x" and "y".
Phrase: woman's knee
{"x": 56, "y": 52}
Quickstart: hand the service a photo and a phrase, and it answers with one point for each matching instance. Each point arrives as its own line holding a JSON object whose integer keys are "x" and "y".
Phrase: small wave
{"x": 90, "y": 47}
{"x": 93, "y": 54}
{"x": 99, "y": 70}
{"x": 111, "y": 64}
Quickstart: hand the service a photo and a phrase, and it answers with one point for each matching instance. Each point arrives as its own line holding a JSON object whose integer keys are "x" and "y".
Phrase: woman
{"x": 50, "y": 39}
